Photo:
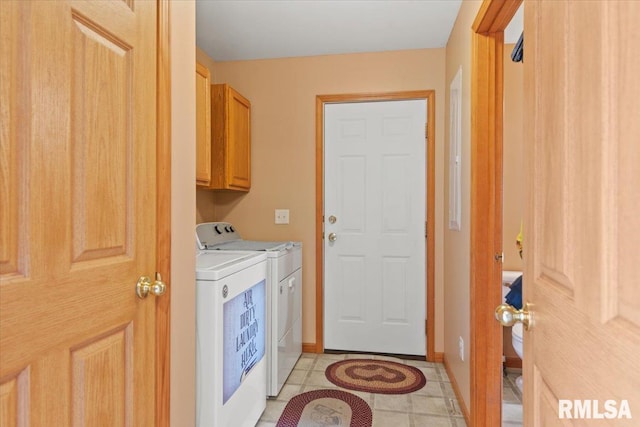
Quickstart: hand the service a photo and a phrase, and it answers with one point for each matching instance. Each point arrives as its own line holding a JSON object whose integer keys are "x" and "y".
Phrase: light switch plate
{"x": 282, "y": 216}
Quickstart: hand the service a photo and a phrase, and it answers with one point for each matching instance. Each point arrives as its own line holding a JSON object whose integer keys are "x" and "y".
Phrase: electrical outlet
{"x": 461, "y": 347}
{"x": 282, "y": 216}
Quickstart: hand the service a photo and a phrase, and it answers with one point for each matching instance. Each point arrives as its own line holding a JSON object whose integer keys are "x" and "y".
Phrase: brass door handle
{"x": 508, "y": 315}
{"x": 146, "y": 286}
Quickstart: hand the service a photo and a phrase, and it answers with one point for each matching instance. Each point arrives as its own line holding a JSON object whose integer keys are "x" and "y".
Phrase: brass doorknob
{"x": 508, "y": 315}
{"x": 146, "y": 286}
{"x": 332, "y": 237}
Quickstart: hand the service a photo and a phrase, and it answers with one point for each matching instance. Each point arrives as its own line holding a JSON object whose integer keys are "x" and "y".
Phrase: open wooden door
{"x": 77, "y": 212}
{"x": 582, "y": 226}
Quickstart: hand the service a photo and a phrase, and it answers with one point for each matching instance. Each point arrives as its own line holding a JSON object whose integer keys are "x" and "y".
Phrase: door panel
{"x": 78, "y": 204}
{"x": 375, "y": 188}
{"x": 583, "y": 224}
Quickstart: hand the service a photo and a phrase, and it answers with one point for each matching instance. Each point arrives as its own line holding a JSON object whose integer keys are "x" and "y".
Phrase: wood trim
{"x": 309, "y": 347}
{"x": 431, "y": 228}
{"x": 429, "y": 96}
{"x": 513, "y": 362}
{"x": 163, "y": 214}
{"x": 486, "y": 208}
{"x": 456, "y": 390}
{"x": 319, "y": 221}
{"x": 494, "y": 16}
{"x": 438, "y": 357}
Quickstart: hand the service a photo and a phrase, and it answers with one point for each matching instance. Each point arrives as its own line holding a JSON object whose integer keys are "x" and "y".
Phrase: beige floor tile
{"x": 432, "y": 388}
{"x": 509, "y": 396}
{"x": 322, "y": 364}
{"x": 431, "y": 374}
{"x": 430, "y": 421}
{"x": 288, "y": 391}
{"x": 390, "y": 419}
{"x": 273, "y": 411}
{"x": 447, "y": 390}
{"x": 318, "y": 378}
{"x": 512, "y": 412}
{"x": 429, "y": 405}
{"x": 420, "y": 364}
{"x": 297, "y": 376}
{"x": 304, "y": 363}
{"x": 265, "y": 424}
{"x": 392, "y": 402}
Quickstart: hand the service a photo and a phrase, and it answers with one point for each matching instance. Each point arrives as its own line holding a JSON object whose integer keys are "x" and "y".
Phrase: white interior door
{"x": 374, "y": 245}
{"x": 583, "y": 226}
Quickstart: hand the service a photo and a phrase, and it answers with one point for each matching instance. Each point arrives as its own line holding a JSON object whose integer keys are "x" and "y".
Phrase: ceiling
{"x": 229, "y": 30}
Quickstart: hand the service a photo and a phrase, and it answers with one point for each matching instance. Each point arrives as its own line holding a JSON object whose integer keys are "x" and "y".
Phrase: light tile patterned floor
{"x": 511, "y": 400}
{"x": 434, "y": 405}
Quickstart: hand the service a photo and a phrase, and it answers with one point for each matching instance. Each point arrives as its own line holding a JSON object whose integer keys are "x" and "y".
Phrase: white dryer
{"x": 284, "y": 294}
{"x": 231, "y": 320}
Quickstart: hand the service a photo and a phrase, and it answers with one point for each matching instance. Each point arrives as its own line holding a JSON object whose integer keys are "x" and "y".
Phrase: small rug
{"x": 375, "y": 376}
{"x": 322, "y": 408}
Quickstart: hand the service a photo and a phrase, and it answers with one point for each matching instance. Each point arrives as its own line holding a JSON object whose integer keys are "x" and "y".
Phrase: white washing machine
{"x": 284, "y": 294}
{"x": 231, "y": 370}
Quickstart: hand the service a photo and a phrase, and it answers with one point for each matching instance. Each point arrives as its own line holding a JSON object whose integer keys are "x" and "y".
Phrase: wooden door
{"x": 77, "y": 206}
{"x": 374, "y": 210}
{"x": 582, "y": 129}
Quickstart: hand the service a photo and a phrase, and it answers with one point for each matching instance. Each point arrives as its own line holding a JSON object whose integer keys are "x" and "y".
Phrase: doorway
{"x": 374, "y": 250}
{"x": 486, "y": 208}
{"x": 321, "y": 100}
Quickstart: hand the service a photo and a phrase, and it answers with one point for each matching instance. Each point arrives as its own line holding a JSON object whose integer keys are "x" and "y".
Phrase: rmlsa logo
{"x": 593, "y": 409}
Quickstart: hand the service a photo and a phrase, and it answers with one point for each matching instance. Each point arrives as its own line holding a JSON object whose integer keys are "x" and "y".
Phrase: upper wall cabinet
{"x": 231, "y": 139}
{"x": 203, "y": 126}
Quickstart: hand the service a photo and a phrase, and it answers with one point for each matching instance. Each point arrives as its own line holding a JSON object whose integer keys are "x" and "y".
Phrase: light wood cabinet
{"x": 203, "y": 126}
{"x": 231, "y": 139}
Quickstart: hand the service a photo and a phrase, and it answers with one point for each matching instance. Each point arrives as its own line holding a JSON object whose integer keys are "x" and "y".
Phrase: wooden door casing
{"x": 79, "y": 200}
{"x": 321, "y": 100}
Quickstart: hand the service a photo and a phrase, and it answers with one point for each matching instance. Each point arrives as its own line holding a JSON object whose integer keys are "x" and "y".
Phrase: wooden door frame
{"x": 321, "y": 100}
{"x": 163, "y": 214}
{"x": 486, "y": 208}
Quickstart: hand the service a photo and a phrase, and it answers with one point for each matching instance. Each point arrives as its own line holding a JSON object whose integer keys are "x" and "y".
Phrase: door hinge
{"x": 426, "y": 327}
{"x": 426, "y": 230}
{"x": 499, "y": 257}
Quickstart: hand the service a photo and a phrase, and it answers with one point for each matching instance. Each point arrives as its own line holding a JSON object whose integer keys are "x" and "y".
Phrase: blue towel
{"x": 514, "y": 296}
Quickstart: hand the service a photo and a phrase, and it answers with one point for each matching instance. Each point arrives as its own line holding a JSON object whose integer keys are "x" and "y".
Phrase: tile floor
{"x": 434, "y": 405}
{"x": 511, "y": 400}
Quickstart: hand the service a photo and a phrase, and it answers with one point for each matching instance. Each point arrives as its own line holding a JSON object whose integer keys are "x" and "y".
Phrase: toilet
{"x": 516, "y": 341}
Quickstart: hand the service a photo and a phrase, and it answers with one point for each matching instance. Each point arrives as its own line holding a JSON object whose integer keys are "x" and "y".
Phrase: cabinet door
{"x": 239, "y": 142}
{"x": 203, "y": 126}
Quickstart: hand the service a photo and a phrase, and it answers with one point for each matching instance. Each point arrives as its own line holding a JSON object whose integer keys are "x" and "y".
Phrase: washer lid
{"x": 253, "y": 245}
{"x": 215, "y": 265}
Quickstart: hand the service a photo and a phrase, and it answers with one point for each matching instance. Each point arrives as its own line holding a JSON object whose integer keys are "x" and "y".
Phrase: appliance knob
{"x": 231, "y": 228}
{"x": 215, "y": 227}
